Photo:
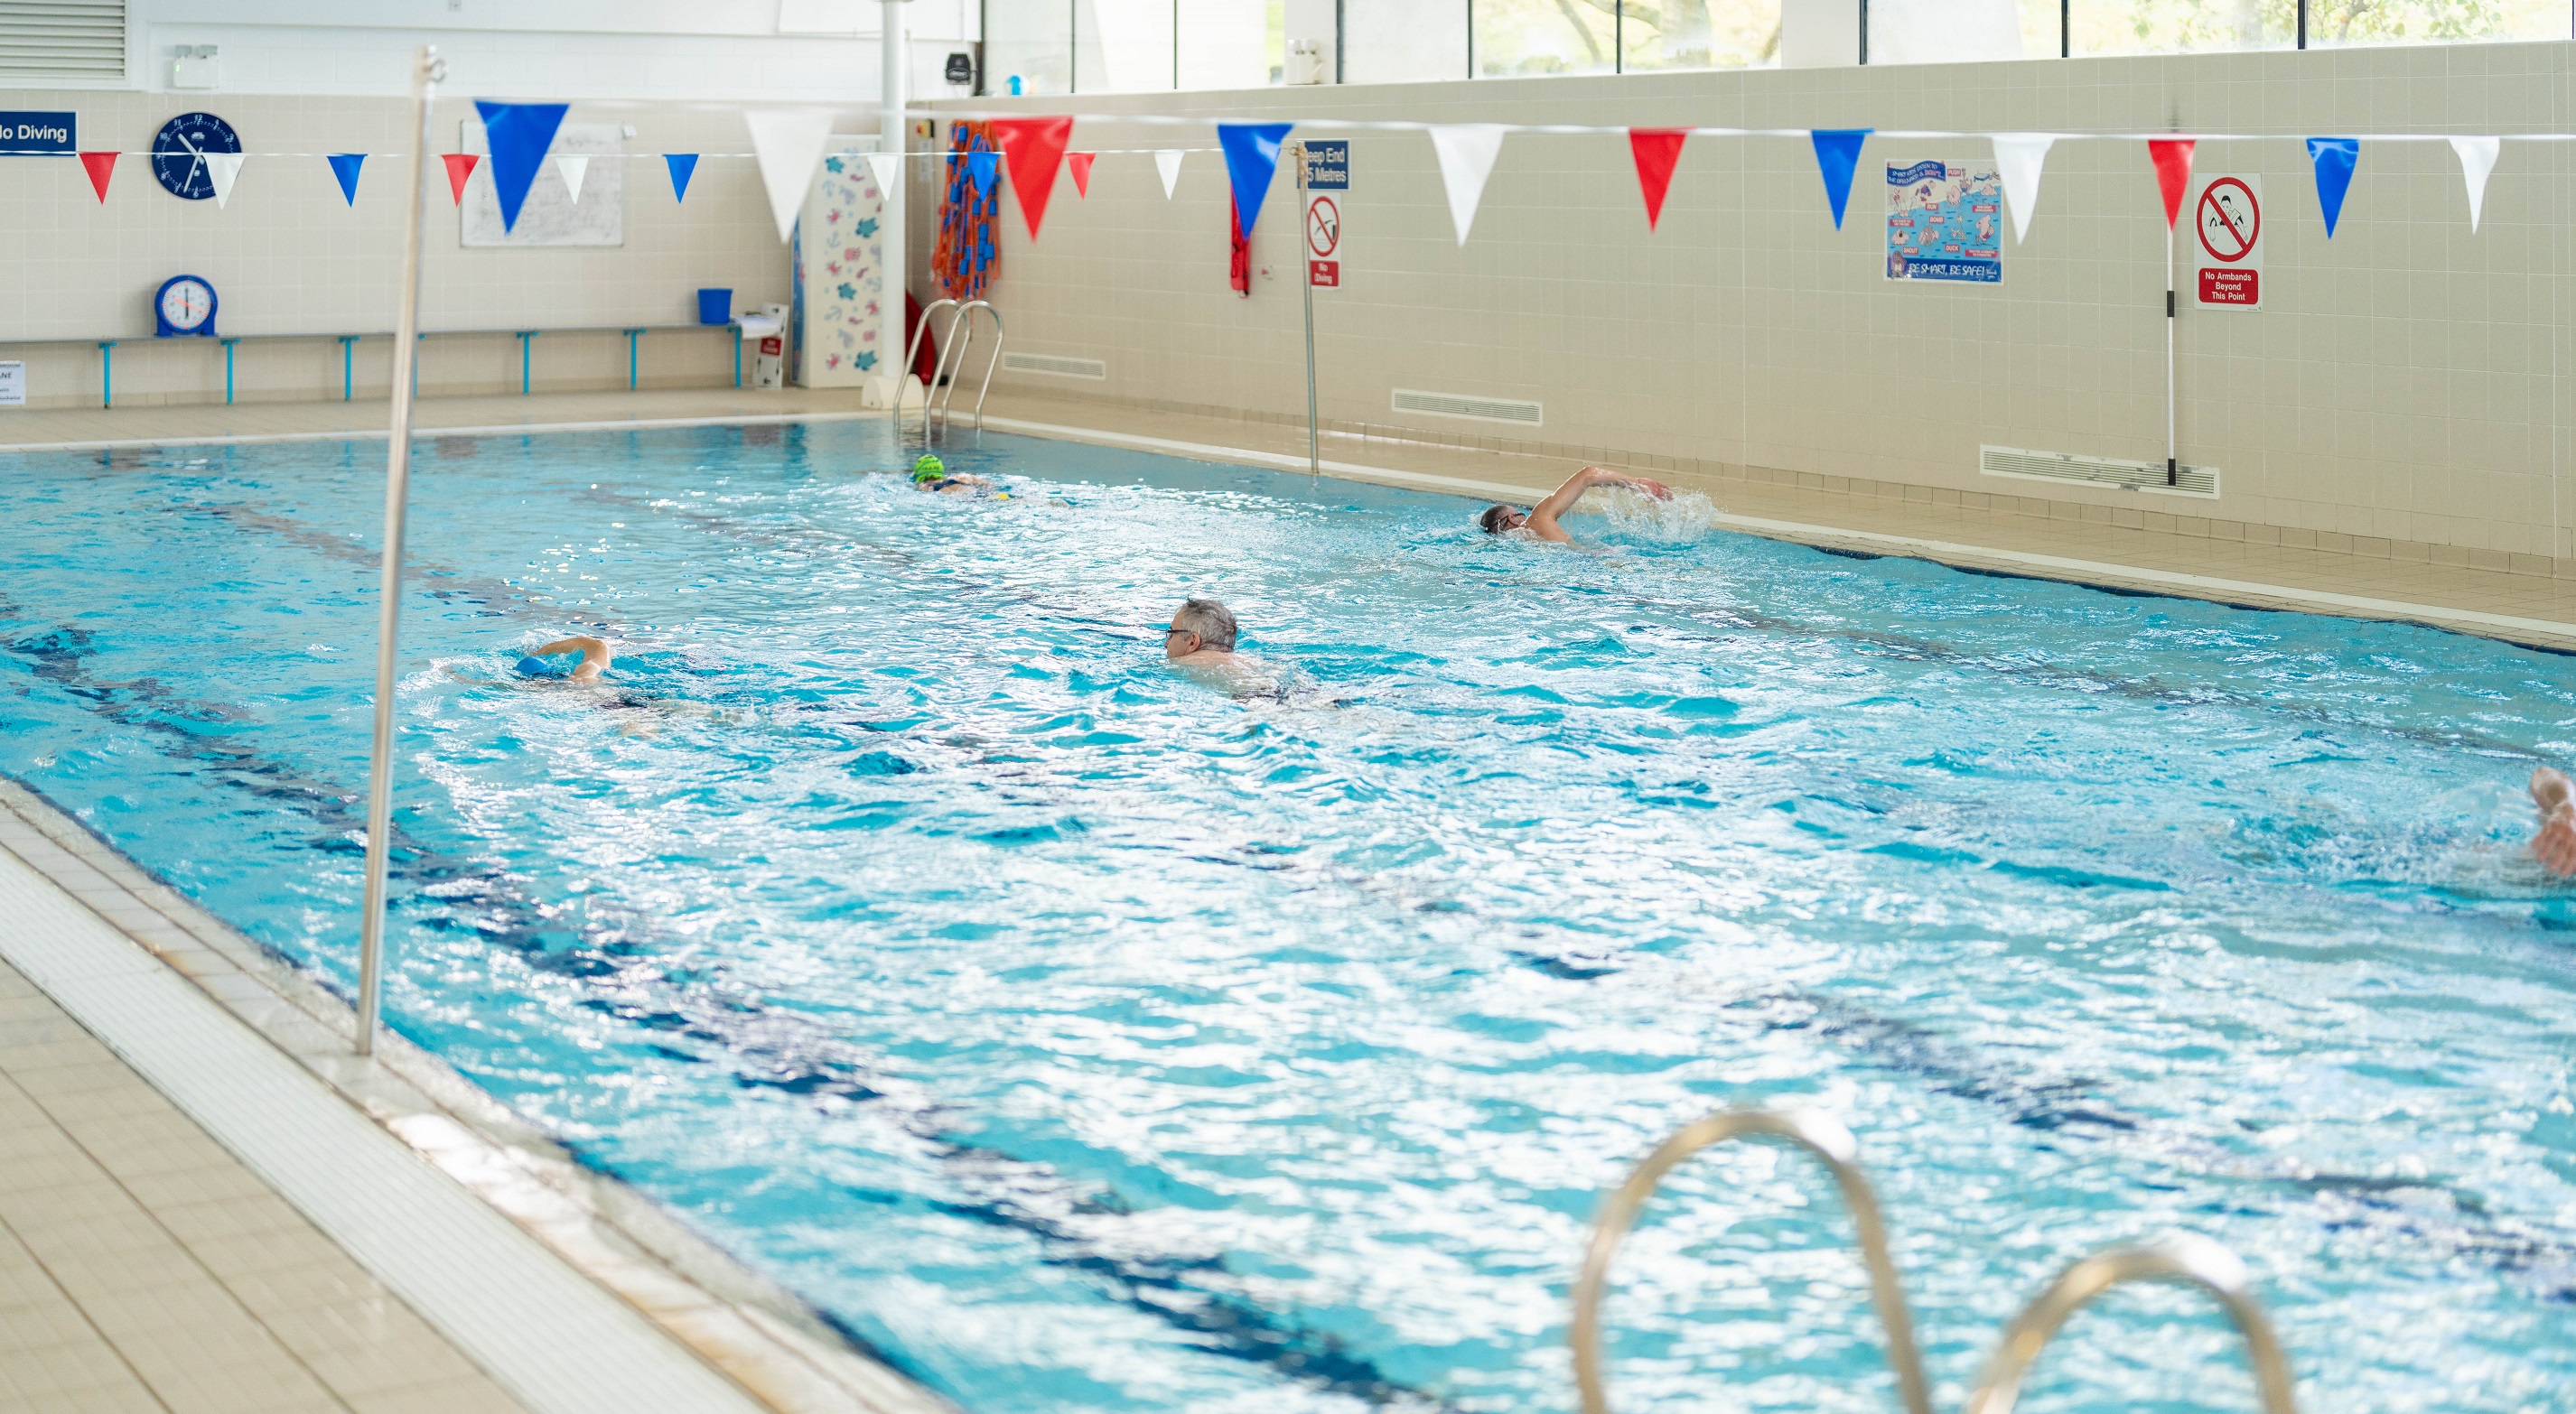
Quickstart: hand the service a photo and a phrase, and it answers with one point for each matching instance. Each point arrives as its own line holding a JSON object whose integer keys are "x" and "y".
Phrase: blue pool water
{"x": 1086, "y": 1039}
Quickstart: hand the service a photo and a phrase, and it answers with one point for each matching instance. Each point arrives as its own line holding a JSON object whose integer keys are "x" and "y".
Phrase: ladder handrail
{"x": 2185, "y": 1261}
{"x": 989, "y": 364}
{"x": 1828, "y": 1142}
{"x": 960, "y": 317}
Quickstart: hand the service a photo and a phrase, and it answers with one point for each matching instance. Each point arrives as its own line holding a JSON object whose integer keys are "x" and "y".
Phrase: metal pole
{"x": 2065, "y": 29}
{"x": 427, "y": 70}
{"x": 1306, "y": 268}
{"x": 2171, "y": 472}
{"x": 2303, "y": 23}
{"x": 1864, "y": 32}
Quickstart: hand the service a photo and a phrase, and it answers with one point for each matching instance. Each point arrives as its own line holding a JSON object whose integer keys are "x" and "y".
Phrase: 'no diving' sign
{"x": 2227, "y": 243}
{"x": 1323, "y": 237}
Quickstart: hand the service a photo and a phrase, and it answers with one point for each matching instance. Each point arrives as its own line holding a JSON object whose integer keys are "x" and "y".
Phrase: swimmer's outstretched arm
{"x": 594, "y": 655}
{"x": 2555, "y": 845}
{"x": 1542, "y": 517}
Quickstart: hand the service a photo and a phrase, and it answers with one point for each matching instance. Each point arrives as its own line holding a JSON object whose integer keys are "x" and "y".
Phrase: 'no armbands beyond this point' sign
{"x": 2227, "y": 244}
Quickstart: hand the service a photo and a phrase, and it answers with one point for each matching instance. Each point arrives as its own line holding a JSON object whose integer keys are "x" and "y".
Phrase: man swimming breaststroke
{"x": 594, "y": 659}
{"x": 2555, "y": 844}
{"x": 1539, "y": 521}
{"x": 1201, "y": 642}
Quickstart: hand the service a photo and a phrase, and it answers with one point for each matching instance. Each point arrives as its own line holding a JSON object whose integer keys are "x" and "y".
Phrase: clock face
{"x": 178, "y": 153}
{"x": 186, "y": 303}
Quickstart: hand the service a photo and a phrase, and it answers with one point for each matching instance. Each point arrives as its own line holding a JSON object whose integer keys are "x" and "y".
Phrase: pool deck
{"x": 2077, "y": 543}
{"x": 207, "y": 1203}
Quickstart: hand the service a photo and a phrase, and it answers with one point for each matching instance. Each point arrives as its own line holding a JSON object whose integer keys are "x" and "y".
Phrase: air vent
{"x": 1055, "y": 365}
{"x": 61, "y": 39}
{"x": 2098, "y": 471}
{"x": 1511, "y": 410}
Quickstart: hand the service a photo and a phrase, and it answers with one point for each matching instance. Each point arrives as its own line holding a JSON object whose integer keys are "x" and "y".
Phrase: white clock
{"x": 186, "y": 305}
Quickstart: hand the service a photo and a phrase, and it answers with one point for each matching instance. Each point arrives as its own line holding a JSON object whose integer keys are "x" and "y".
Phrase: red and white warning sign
{"x": 2227, "y": 243}
{"x": 1323, "y": 238}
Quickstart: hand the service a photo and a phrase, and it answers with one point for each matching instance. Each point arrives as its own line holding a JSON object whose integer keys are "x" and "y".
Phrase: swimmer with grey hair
{"x": 1539, "y": 521}
{"x": 1200, "y": 641}
{"x": 2555, "y": 845}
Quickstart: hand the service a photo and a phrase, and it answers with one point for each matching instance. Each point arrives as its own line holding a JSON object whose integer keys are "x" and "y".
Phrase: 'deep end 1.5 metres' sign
{"x": 24, "y": 134}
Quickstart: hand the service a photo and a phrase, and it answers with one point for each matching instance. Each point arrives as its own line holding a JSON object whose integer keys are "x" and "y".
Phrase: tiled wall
{"x": 2400, "y": 385}
{"x": 288, "y": 255}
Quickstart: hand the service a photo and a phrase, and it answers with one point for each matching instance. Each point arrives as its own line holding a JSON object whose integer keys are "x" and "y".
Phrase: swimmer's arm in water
{"x": 594, "y": 655}
{"x": 1542, "y": 517}
{"x": 2555, "y": 845}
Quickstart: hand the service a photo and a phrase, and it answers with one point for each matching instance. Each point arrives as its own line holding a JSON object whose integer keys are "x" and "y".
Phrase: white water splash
{"x": 1687, "y": 516}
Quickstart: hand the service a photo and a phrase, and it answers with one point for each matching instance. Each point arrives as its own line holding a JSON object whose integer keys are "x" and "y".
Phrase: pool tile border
{"x": 761, "y": 1338}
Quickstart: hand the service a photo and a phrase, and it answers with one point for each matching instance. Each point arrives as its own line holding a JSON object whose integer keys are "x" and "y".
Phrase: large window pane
{"x": 2180, "y": 26}
{"x": 1700, "y": 34}
{"x": 2334, "y": 22}
{"x": 1029, "y": 42}
{"x": 1226, "y": 44}
{"x": 1516, "y": 37}
{"x": 1123, "y": 46}
{"x": 1403, "y": 41}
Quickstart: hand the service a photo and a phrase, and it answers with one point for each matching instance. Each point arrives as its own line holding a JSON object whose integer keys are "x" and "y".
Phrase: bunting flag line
{"x": 886, "y": 168}
{"x": 1035, "y": 149}
{"x": 223, "y": 168}
{"x": 345, "y": 165}
{"x": 2018, "y": 157}
{"x": 460, "y": 165}
{"x": 1656, "y": 150}
{"x": 1837, "y": 154}
{"x": 1251, "y": 156}
{"x": 573, "y": 169}
{"x": 2172, "y": 156}
{"x": 100, "y": 166}
{"x": 1466, "y": 152}
{"x": 1168, "y": 162}
{"x": 518, "y": 135}
{"x": 2334, "y": 158}
{"x": 2477, "y": 160}
{"x": 788, "y": 143}
{"x": 1079, "y": 163}
{"x": 682, "y": 166}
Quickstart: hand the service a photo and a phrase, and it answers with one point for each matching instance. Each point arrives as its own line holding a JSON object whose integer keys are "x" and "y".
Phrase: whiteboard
{"x": 549, "y": 217}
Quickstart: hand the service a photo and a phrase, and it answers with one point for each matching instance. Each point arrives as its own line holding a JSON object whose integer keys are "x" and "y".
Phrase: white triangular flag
{"x": 887, "y": 168}
{"x": 572, "y": 169}
{"x": 789, "y": 143}
{"x": 1168, "y": 162}
{"x": 2477, "y": 159}
{"x": 221, "y": 168}
{"x": 2018, "y": 157}
{"x": 1467, "y": 152}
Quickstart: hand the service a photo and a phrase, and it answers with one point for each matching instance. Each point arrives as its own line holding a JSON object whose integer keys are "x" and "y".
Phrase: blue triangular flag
{"x": 1837, "y": 153}
{"x": 518, "y": 134}
{"x": 344, "y": 165}
{"x": 1251, "y": 156}
{"x": 681, "y": 165}
{"x": 982, "y": 168}
{"x": 2335, "y": 158}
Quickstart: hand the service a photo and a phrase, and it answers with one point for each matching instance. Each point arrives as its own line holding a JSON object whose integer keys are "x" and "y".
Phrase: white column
{"x": 1819, "y": 34}
{"x": 886, "y": 389}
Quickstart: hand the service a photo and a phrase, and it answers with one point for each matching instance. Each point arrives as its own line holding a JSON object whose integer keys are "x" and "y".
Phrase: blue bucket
{"x": 715, "y": 306}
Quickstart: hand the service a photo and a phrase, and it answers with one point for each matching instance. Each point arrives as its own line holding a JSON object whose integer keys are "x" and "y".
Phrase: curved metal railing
{"x": 961, "y": 320}
{"x": 1831, "y": 1144}
{"x": 2190, "y": 1261}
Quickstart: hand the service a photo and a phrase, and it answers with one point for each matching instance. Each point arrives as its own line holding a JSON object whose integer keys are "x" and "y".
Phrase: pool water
{"x": 1083, "y": 1038}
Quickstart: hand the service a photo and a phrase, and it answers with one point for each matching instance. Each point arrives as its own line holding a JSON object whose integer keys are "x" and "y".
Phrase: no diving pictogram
{"x": 1323, "y": 226}
{"x": 2230, "y": 220}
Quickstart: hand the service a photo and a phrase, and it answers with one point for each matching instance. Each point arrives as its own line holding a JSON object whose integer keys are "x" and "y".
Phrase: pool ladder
{"x": 2188, "y": 1261}
{"x": 961, "y": 318}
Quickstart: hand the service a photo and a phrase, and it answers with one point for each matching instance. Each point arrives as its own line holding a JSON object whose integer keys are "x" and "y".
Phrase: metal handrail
{"x": 989, "y": 364}
{"x": 959, "y": 337}
{"x": 2186, "y": 1260}
{"x": 912, "y": 350}
{"x": 1833, "y": 1146}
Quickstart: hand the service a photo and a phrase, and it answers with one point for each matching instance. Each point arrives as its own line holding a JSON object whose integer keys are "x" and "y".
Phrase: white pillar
{"x": 1819, "y": 34}
{"x": 885, "y": 390}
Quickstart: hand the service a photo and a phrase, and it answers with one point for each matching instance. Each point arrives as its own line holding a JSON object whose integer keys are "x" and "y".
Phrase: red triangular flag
{"x": 1035, "y": 148}
{"x": 1080, "y": 162}
{"x": 2172, "y": 156}
{"x": 1656, "y": 150}
{"x": 101, "y": 165}
{"x": 460, "y": 165}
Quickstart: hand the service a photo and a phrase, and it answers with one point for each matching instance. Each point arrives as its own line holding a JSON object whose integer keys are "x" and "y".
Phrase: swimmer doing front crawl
{"x": 1539, "y": 521}
{"x": 594, "y": 659}
{"x": 2555, "y": 845}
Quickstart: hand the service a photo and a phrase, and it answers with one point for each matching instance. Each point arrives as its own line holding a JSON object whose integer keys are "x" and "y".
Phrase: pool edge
{"x": 768, "y": 1342}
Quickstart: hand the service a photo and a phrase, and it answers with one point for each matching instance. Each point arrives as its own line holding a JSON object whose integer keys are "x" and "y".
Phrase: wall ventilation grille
{"x": 1055, "y": 364}
{"x": 61, "y": 39}
{"x": 1511, "y": 410}
{"x": 2097, "y": 471}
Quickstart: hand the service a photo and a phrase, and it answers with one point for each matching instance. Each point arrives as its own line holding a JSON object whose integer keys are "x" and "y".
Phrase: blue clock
{"x": 185, "y": 305}
{"x": 179, "y": 153}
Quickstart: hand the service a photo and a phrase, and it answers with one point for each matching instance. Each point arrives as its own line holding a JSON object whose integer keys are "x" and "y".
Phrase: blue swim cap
{"x": 535, "y": 667}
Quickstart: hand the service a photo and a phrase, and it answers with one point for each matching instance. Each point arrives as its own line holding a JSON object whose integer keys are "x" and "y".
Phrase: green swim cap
{"x": 929, "y": 468}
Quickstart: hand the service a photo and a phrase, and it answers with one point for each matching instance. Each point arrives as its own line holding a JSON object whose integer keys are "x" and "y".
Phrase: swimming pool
{"x": 1082, "y": 1038}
